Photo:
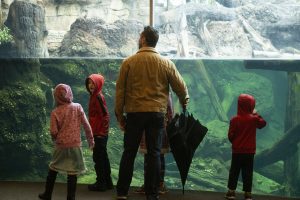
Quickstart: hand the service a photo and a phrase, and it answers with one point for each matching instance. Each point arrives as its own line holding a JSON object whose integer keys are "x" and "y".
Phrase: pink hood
{"x": 63, "y": 94}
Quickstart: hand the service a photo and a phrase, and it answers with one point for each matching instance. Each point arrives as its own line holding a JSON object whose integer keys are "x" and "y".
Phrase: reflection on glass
{"x": 229, "y": 29}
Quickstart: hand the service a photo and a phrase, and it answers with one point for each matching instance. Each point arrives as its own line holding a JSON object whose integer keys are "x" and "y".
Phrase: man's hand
{"x": 185, "y": 103}
{"x": 122, "y": 124}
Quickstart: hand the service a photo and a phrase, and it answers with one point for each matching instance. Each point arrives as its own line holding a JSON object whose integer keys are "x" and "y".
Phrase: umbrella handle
{"x": 184, "y": 109}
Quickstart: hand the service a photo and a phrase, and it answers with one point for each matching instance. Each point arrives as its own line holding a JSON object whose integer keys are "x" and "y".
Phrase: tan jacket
{"x": 144, "y": 81}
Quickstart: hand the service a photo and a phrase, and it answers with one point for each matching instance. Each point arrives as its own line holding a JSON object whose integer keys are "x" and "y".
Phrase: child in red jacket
{"x": 242, "y": 135}
{"x": 99, "y": 120}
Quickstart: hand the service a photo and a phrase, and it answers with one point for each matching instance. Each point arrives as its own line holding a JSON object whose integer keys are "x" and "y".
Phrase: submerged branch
{"x": 280, "y": 150}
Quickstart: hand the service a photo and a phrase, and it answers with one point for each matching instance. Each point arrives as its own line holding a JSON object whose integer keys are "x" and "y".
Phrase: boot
{"x": 49, "y": 185}
{"x": 72, "y": 182}
{"x": 100, "y": 184}
{"x": 97, "y": 186}
{"x": 109, "y": 183}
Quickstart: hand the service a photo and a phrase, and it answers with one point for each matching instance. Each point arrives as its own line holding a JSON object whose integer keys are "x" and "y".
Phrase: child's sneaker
{"x": 162, "y": 188}
{"x": 140, "y": 190}
{"x": 121, "y": 197}
{"x": 230, "y": 195}
{"x": 248, "y": 196}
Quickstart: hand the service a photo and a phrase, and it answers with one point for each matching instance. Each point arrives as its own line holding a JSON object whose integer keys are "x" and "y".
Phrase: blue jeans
{"x": 136, "y": 123}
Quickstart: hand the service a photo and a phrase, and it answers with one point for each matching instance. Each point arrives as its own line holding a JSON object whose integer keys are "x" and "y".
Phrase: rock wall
{"x": 26, "y": 21}
{"x": 195, "y": 28}
{"x": 60, "y": 14}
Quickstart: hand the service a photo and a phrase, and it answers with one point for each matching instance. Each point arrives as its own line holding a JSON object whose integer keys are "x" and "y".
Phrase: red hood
{"x": 246, "y": 104}
{"x": 98, "y": 81}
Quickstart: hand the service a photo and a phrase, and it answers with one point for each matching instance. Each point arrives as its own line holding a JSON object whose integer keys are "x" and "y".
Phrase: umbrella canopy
{"x": 185, "y": 134}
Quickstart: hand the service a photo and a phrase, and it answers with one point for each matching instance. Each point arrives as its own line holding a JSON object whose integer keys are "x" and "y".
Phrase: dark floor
{"x": 10, "y": 190}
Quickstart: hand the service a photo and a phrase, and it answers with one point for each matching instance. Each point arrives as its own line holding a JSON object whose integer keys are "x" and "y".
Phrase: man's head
{"x": 149, "y": 37}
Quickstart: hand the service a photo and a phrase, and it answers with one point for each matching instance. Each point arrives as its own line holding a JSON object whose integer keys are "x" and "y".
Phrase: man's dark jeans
{"x": 136, "y": 123}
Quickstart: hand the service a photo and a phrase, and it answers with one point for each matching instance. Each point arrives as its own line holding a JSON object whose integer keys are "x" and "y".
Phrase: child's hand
{"x": 254, "y": 111}
{"x": 92, "y": 147}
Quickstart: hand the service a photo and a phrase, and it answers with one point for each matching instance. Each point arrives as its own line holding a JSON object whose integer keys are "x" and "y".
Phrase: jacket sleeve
{"x": 120, "y": 91}
{"x": 260, "y": 121}
{"x": 105, "y": 119}
{"x": 87, "y": 128}
{"x": 53, "y": 126}
{"x": 231, "y": 131}
{"x": 177, "y": 83}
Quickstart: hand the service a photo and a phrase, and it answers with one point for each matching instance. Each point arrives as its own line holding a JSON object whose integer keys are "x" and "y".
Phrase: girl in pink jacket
{"x": 66, "y": 120}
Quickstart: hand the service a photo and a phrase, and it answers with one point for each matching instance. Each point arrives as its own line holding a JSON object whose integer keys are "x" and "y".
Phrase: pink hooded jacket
{"x": 67, "y": 118}
{"x": 242, "y": 129}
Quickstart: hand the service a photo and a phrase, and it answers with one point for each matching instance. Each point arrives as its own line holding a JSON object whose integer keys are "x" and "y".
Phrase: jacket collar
{"x": 147, "y": 49}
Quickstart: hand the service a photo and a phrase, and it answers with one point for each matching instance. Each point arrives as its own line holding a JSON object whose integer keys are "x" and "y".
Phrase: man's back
{"x": 148, "y": 76}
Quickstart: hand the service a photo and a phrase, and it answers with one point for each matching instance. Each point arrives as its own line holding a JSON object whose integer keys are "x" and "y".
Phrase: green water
{"x": 214, "y": 85}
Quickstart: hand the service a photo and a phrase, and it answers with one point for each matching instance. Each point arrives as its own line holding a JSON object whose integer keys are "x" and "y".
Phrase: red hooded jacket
{"x": 242, "y": 129}
{"x": 98, "y": 118}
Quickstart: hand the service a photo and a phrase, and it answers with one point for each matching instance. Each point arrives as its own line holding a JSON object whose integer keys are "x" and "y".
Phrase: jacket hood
{"x": 63, "y": 94}
{"x": 98, "y": 80}
{"x": 246, "y": 104}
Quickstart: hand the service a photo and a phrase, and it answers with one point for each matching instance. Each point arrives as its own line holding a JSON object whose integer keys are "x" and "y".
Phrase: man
{"x": 142, "y": 90}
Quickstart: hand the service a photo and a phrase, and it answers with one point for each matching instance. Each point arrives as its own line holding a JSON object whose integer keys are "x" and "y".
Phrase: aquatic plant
{"x": 5, "y": 35}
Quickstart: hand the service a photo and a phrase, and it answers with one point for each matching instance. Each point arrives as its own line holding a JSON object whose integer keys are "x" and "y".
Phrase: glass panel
{"x": 26, "y": 102}
{"x": 228, "y": 28}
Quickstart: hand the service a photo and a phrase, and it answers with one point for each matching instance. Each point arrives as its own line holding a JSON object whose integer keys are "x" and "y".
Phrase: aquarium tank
{"x": 222, "y": 48}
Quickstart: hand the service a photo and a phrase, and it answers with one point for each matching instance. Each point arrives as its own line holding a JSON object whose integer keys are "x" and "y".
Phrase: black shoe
{"x": 110, "y": 187}
{"x": 109, "y": 184}
{"x": 230, "y": 195}
{"x": 44, "y": 196}
{"x": 152, "y": 197}
{"x": 97, "y": 187}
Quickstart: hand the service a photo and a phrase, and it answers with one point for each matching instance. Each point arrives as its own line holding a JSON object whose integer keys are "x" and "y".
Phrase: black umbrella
{"x": 185, "y": 134}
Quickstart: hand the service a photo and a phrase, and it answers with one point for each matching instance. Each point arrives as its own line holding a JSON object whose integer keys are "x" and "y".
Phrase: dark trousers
{"x": 100, "y": 157}
{"x": 244, "y": 163}
{"x": 136, "y": 123}
{"x": 162, "y": 167}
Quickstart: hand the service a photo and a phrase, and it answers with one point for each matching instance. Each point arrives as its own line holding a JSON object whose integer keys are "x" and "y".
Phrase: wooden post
{"x": 151, "y": 14}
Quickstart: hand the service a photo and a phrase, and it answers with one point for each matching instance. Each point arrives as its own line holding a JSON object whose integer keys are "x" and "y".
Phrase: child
{"x": 99, "y": 120}
{"x": 164, "y": 149}
{"x": 242, "y": 135}
{"x": 65, "y": 123}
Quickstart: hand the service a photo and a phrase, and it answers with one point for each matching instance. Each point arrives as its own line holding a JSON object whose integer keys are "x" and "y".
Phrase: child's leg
{"x": 72, "y": 182}
{"x": 96, "y": 159}
{"x": 234, "y": 171}
{"x": 107, "y": 169}
{"x": 49, "y": 185}
{"x": 247, "y": 172}
{"x": 100, "y": 158}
